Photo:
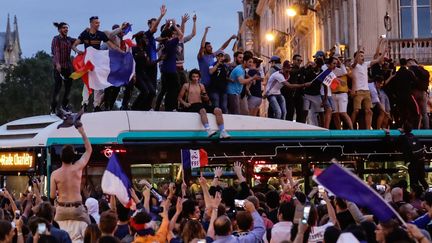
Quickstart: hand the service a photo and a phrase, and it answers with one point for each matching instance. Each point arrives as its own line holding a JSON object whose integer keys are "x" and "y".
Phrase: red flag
{"x": 81, "y": 70}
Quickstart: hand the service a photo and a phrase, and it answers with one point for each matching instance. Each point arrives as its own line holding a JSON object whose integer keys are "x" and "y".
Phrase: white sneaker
{"x": 224, "y": 135}
{"x": 210, "y": 133}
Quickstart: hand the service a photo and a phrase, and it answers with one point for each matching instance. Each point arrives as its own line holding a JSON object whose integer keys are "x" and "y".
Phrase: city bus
{"x": 148, "y": 145}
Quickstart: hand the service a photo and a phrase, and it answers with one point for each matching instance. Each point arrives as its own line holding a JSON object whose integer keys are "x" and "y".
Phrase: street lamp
{"x": 270, "y": 37}
{"x": 291, "y": 12}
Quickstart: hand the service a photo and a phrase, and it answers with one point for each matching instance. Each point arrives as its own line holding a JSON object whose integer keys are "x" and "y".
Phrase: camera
{"x": 239, "y": 203}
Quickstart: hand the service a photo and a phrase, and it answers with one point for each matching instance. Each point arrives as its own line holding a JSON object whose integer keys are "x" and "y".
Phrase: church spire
{"x": 16, "y": 40}
{"x": 9, "y": 37}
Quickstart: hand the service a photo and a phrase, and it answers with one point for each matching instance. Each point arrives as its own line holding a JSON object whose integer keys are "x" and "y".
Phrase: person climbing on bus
{"x": 193, "y": 97}
{"x": 65, "y": 189}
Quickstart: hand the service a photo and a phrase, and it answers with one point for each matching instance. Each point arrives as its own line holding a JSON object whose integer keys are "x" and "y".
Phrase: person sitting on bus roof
{"x": 193, "y": 98}
{"x": 65, "y": 187}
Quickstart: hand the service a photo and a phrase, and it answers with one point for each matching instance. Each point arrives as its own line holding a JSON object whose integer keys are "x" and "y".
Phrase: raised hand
{"x": 216, "y": 200}
{"x": 163, "y": 10}
{"x": 249, "y": 206}
{"x": 179, "y": 205}
{"x": 238, "y": 168}
{"x": 185, "y": 18}
{"x": 194, "y": 18}
{"x": 218, "y": 172}
{"x": 288, "y": 172}
{"x": 207, "y": 29}
{"x": 134, "y": 195}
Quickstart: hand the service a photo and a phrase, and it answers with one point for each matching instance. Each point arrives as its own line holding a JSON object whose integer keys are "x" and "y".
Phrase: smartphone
{"x": 41, "y": 229}
{"x": 201, "y": 241}
{"x": 239, "y": 203}
{"x": 306, "y": 211}
{"x": 17, "y": 214}
{"x": 320, "y": 191}
{"x": 383, "y": 36}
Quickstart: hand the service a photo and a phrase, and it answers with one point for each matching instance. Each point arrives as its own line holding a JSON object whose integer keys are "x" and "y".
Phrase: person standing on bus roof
{"x": 193, "y": 98}
{"x": 65, "y": 188}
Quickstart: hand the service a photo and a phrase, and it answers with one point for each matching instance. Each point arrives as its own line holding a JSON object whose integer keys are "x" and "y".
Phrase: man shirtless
{"x": 66, "y": 186}
{"x": 193, "y": 98}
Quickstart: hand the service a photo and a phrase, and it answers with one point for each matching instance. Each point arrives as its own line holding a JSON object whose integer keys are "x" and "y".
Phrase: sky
{"x": 35, "y": 19}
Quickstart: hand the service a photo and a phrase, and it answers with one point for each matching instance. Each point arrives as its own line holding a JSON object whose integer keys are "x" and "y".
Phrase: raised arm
{"x": 179, "y": 209}
{"x": 330, "y": 209}
{"x": 82, "y": 162}
{"x": 184, "y": 19}
{"x": 227, "y": 42}
{"x": 214, "y": 204}
{"x": 155, "y": 25}
{"x": 203, "y": 41}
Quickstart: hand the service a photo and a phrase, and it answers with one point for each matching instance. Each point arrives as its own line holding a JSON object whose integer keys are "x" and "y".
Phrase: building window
{"x": 422, "y": 18}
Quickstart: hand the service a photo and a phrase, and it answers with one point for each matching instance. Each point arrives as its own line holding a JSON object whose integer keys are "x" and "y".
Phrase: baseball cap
{"x": 219, "y": 52}
{"x": 275, "y": 59}
{"x": 319, "y": 54}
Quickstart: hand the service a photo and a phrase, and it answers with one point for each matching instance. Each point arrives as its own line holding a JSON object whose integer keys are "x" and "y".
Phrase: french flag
{"x": 115, "y": 182}
{"x": 328, "y": 78}
{"x": 193, "y": 159}
{"x": 347, "y": 185}
{"x": 101, "y": 69}
{"x": 127, "y": 37}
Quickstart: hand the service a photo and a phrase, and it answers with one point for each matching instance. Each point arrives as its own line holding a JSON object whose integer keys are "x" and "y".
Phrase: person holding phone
{"x": 282, "y": 230}
{"x": 317, "y": 231}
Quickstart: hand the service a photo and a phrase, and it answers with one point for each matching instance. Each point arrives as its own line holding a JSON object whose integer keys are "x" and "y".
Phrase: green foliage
{"x": 28, "y": 87}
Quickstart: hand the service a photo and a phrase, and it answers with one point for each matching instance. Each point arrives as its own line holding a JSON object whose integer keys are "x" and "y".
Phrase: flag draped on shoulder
{"x": 346, "y": 185}
{"x": 328, "y": 78}
{"x": 115, "y": 182}
{"x": 104, "y": 68}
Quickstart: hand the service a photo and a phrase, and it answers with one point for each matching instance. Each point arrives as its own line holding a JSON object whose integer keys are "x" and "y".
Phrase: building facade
{"x": 346, "y": 24}
{"x": 10, "y": 48}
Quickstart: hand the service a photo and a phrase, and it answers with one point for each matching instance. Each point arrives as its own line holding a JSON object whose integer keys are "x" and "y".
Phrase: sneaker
{"x": 53, "y": 112}
{"x": 210, "y": 133}
{"x": 224, "y": 135}
{"x": 67, "y": 109}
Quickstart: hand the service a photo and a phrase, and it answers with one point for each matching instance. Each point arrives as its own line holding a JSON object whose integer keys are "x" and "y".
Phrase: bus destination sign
{"x": 16, "y": 161}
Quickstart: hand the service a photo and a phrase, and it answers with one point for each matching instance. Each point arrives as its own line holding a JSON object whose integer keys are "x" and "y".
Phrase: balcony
{"x": 420, "y": 49}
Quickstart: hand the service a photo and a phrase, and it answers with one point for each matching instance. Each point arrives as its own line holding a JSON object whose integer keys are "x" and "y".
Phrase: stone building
{"x": 349, "y": 24}
{"x": 10, "y": 49}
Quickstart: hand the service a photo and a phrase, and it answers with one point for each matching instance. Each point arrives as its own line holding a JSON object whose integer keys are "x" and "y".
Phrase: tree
{"x": 28, "y": 88}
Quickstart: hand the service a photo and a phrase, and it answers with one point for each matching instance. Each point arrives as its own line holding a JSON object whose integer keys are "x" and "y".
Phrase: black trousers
{"x": 170, "y": 89}
{"x": 110, "y": 97}
{"x": 59, "y": 78}
{"x": 294, "y": 105}
{"x": 147, "y": 93}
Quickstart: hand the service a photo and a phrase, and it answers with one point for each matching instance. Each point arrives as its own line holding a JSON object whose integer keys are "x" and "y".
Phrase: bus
{"x": 148, "y": 145}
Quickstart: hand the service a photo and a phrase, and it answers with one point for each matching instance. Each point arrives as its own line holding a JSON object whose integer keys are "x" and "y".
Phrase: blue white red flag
{"x": 328, "y": 78}
{"x": 346, "y": 185}
{"x": 116, "y": 182}
{"x": 127, "y": 37}
{"x": 194, "y": 158}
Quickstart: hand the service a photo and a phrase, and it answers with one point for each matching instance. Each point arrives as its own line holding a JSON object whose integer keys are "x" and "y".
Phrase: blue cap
{"x": 319, "y": 54}
{"x": 275, "y": 59}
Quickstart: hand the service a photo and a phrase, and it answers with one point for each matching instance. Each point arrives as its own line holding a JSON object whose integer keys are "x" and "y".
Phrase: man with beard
{"x": 206, "y": 56}
{"x": 61, "y": 47}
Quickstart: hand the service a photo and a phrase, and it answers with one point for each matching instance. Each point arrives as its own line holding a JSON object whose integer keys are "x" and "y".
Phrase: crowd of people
{"x": 369, "y": 94}
{"x": 197, "y": 210}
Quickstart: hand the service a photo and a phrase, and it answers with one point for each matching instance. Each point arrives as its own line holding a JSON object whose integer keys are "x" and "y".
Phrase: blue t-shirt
{"x": 170, "y": 51}
{"x": 204, "y": 63}
{"x": 151, "y": 47}
{"x": 236, "y": 87}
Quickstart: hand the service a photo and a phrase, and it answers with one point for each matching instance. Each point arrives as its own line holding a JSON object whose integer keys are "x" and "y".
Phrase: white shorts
{"x": 312, "y": 103}
{"x": 340, "y": 102}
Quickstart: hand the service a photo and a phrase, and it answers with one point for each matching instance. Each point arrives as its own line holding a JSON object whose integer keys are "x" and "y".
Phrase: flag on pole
{"x": 104, "y": 68}
{"x": 328, "y": 78}
{"x": 192, "y": 159}
{"x": 346, "y": 185}
{"x": 127, "y": 37}
{"x": 115, "y": 182}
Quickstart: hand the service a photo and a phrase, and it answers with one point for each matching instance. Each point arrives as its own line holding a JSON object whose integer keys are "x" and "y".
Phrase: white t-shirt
{"x": 317, "y": 232}
{"x": 360, "y": 76}
{"x": 274, "y": 89}
{"x": 281, "y": 232}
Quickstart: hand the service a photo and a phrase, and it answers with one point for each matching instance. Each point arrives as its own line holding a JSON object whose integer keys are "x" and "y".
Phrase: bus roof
{"x": 114, "y": 126}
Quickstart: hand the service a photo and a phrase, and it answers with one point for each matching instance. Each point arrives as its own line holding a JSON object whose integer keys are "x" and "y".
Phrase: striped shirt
{"x": 61, "y": 50}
